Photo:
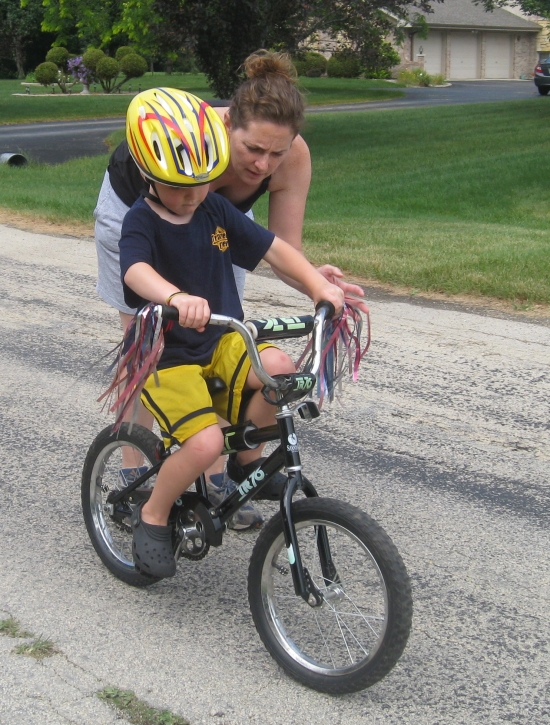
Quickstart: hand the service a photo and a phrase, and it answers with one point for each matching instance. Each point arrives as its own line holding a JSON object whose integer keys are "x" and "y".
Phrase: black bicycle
{"x": 328, "y": 590}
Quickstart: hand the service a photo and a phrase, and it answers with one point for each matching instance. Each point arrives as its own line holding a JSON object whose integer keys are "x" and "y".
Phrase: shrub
{"x": 382, "y": 74}
{"x": 107, "y": 70}
{"x": 59, "y": 56}
{"x": 91, "y": 58}
{"x": 123, "y": 51}
{"x": 133, "y": 66}
{"x": 46, "y": 73}
{"x": 310, "y": 64}
{"x": 419, "y": 77}
{"x": 381, "y": 56}
{"x": 343, "y": 64}
{"x": 55, "y": 58}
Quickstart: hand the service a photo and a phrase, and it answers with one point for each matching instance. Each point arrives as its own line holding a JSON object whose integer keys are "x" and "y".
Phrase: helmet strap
{"x": 156, "y": 198}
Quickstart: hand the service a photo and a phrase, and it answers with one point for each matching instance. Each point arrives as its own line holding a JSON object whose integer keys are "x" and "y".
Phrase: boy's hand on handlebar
{"x": 351, "y": 291}
{"x": 194, "y": 311}
{"x": 330, "y": 293}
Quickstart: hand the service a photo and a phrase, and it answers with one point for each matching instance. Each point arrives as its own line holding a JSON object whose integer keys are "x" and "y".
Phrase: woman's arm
{"x": 288, "y": 192}
{"x": 291, "y": 264}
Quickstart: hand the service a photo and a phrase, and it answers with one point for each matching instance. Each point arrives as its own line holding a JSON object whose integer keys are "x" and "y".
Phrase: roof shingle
{"x": 464, "y": 14}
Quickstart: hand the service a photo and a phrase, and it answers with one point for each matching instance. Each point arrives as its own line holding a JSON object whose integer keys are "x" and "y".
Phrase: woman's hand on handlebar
{"x": 193, "y": 311}
{"x": 351, "y": 291}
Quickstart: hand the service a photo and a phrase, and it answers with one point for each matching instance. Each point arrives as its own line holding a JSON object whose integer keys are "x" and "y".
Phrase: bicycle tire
{"x": 112, "y": 537}
{"x": 360, "y": 631}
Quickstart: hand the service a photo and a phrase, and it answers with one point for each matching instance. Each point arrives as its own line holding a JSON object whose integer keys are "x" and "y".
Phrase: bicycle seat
{"x": 215, "y": 385}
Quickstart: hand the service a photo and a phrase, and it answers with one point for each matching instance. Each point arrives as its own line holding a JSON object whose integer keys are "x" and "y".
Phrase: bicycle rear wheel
{"x": 109, "y": 529}
{"x": 359, "y": 632}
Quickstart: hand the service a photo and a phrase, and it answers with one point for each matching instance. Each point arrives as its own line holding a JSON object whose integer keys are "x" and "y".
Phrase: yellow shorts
{"x": 181, "y": 402}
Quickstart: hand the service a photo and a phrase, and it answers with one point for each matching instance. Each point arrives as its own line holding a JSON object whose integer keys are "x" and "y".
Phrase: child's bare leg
{"x": 179, "y": 471}
{"x": 130, "y": 457}
{"x": 259, "y": 411}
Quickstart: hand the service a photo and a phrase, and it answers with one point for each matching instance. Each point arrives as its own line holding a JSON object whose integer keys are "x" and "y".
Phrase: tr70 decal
{"x": 277, "y": 324}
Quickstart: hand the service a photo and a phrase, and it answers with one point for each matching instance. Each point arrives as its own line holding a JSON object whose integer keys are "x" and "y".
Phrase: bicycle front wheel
{"x": 112, "y": 460}
{"x": 358, "y": 633}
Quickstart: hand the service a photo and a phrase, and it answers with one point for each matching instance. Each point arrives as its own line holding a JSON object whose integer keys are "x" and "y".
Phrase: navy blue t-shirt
{"x": 197, "y": 258}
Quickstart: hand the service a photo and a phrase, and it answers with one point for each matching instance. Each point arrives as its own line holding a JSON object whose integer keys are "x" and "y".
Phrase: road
{"x": 445, "y": 440}
{"x": 55, "y": 143}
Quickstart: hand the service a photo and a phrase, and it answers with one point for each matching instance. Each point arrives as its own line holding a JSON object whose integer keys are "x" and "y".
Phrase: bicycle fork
{"x": 304, "y": 586}
{"x": 286, "y": 456}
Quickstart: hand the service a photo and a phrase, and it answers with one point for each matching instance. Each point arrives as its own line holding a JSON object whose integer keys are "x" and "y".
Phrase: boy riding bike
{"x": 177, "y": 247}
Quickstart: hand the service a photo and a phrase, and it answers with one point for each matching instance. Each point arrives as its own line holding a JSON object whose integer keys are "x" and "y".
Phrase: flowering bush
{"x": 79, "y": 71}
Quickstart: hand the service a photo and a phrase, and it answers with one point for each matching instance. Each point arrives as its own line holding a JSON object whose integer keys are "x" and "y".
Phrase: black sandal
{"x": 152, "y": 547}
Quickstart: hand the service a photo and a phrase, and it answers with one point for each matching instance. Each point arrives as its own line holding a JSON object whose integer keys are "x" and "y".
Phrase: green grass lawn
{"x": 448, "y": 200}
{"x": 43, "y": 105}
{"x": 445, "y": 200}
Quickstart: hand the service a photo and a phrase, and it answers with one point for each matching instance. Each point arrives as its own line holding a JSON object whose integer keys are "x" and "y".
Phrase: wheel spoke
{"x": 342, "y": 635}
{"x": 111, "y": 463}
{"x": 353, "y": 636}
{"x": 324, "y": 640}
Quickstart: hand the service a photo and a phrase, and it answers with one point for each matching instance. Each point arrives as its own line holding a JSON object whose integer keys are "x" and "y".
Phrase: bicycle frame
{"x": 286, "y": 456}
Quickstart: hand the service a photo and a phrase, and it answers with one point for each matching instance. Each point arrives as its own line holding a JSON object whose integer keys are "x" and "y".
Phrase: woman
{"x": 267, "y": 156}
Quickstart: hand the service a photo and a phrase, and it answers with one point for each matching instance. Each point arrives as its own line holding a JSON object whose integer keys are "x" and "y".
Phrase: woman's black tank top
{"x": 128, "y": 183}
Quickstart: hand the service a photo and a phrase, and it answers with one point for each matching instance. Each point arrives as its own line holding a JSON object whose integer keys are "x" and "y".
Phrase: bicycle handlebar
{"x": 249, "y": 332}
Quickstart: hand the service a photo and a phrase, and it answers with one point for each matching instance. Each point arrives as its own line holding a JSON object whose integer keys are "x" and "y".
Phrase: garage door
{"x": 432, "y": 49}
{"x": 464, "y": 55}
{"x": 498, "y": 55}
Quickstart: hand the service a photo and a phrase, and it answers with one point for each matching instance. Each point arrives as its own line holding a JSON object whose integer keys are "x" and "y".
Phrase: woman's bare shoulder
{"x": 295, "y": 167}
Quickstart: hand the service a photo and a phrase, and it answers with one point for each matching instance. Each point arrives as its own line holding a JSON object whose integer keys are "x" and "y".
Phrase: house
{"x": 543, "y": 38}
{"x": 467, "y": 42}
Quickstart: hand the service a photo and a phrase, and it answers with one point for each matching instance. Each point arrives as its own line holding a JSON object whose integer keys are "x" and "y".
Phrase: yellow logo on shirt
{"x": 219, "y": 239}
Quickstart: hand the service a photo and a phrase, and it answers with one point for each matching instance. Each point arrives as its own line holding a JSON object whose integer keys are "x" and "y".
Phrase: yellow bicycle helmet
{"x": 176, "y": 138}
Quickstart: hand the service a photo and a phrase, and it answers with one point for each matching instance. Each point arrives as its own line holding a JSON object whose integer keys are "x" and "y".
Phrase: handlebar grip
{"x": 327, "y": 306}
{"x": 170, "y": 313}
{"x": 274, "y": 328}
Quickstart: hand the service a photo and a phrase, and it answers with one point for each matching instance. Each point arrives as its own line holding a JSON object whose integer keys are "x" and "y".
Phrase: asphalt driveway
{"x": 444, "y": 440}
{"x": 53, "y": 143}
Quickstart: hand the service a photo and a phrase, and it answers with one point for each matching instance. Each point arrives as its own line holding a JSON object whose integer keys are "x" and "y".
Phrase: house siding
{"x": 523, "y": 53}
{"x": 525, "y": 56}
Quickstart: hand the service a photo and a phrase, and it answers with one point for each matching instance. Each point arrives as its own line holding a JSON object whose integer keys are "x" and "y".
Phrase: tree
{"x": 104, "y": 23}
{"x": 93, "y": 20}
{"x": 223, "y": 32}
{"x": 18, "y": 26}
{"x": 531, "y": 7}
{"x": 144, "y": 28}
